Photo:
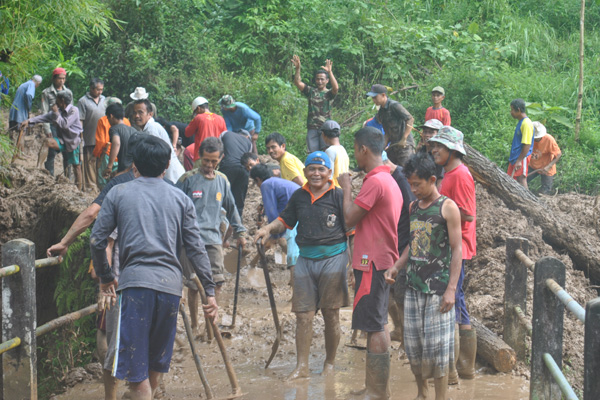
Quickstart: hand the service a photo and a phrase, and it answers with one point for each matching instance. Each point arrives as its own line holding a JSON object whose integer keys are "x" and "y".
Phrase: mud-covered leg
{"x": 304, "y": 333}
{"x": 332, "y": 338}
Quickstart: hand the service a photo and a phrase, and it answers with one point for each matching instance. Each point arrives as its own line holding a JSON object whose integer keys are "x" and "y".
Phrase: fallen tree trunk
{"x": 558, "y": 231}
{"x": 493, "y": 349}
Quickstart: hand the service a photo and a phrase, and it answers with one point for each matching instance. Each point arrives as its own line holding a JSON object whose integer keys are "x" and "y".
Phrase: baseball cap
{"x": 433, "y": 124}
{"x": 59, "y": 71}
{"x": 198, "y": 101}
{"x": 376, "y": 89}
{"x": 451, "y": 138}
{"x": 330, "y": 125}
{"x": 227, "y": 101}
{"x": 318, "y": 158}
{"x": 539, "y": 130}
{"x": 439, "y": 89}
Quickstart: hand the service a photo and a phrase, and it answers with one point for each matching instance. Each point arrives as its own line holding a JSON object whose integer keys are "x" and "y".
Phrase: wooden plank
{"x": 548, "y": 314}
{"x": 515, "y": 295}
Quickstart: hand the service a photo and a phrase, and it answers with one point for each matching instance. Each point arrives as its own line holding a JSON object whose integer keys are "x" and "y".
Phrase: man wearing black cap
{"x": 397, "y": 124}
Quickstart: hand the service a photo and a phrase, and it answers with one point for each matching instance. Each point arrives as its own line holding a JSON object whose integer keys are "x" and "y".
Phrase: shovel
{"x": 265, "y": 267}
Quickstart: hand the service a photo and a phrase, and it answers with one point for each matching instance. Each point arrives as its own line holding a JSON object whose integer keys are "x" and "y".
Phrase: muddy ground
{"x": 36, "y": 206}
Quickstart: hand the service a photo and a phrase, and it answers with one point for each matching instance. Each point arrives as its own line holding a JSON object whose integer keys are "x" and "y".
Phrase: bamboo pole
{"x": 581, "y": 50}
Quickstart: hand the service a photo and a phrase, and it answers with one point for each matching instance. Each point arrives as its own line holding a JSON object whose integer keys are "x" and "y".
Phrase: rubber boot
{"x": 468, "y": 350}
{"x": 378, "y": 376}
{"x": 452, "y": 374}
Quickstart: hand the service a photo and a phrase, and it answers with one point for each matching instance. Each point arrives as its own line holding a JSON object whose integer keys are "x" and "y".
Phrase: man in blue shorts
{"x": 320, "y": 272}
{"x": 154, "y": 220}
{"x": 375, "y": 212}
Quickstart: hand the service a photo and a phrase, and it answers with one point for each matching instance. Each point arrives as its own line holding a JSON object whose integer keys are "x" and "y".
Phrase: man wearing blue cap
{"x": 320, "y": 272}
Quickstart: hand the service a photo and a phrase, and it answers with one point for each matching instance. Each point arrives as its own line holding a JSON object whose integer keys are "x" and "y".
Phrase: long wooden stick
{"x": 235, "y": 386}
{"x": 190, "y": 336}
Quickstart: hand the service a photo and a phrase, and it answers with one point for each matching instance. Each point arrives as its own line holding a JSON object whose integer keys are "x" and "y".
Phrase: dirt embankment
{"x": 484, "y": 282}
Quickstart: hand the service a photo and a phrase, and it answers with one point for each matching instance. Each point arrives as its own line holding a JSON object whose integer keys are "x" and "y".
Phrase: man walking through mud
{"x": 210, "y": 192}
{"x": 154, "y": 221}
{"x": 375, "y": 212}
{"x": 320, "y": 273}
{"x": 459, "y": 186}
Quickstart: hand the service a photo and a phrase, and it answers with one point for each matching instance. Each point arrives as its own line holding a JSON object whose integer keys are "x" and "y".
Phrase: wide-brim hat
{"x": 139, "y": 94}
{"x": 227, "y": 101}
{"x": 451, "y": 138}
{"x": 433, "y": 124}
{"x": 539, "y": 130}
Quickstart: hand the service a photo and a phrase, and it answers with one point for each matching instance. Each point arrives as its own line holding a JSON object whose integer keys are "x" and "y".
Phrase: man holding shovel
{"x": 320, "y": 272}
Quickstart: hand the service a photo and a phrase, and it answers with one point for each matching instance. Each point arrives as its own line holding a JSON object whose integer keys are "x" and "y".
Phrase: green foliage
{"x": 33, "y": 30}
{"x": 485, "y": 53}
{"x": 75, "y": 289}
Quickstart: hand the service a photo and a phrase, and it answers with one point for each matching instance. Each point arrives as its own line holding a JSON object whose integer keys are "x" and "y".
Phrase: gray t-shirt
{"x": 209, "y": 196}
{"x": 155, "y": 220}
{"x": 124, "y": 132}
{"x": 90, "y": 112}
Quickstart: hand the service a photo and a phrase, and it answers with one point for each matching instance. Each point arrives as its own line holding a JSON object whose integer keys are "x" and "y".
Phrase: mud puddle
{"x": 250, "y": 346}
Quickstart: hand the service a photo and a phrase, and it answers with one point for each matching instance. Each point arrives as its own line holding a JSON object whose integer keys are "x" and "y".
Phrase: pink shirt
{"x": 376, "y": 239}
{"x": 459, "y": 186}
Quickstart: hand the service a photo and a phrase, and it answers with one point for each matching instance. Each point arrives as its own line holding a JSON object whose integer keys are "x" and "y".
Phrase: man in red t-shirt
{"x": 437, "y": 111}
{"x": 205, "y": 124}
{"x": 375, "y": 213}
{"x": 458, "y": 185}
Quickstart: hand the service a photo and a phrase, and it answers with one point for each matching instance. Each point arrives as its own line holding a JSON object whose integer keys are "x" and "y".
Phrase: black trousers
{"x": 238, "y": 178}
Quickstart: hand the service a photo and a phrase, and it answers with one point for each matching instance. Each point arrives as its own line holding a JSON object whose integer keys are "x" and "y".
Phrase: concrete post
{"x": 591, "y": 350}
{"x": 548, "y": 314}
{"x": 515, "y": 294}
{"x": 19, "y": 320}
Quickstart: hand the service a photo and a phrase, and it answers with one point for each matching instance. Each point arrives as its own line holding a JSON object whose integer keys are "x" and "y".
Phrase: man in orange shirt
{"x": 102, "y": 148}
{"x": 544, "y": 157}
{"x": 205, "y": 124}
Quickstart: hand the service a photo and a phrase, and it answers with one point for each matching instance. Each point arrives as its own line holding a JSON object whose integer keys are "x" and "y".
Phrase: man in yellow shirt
{"x": 291, "y": 167}
{"x": 522, "y": 144}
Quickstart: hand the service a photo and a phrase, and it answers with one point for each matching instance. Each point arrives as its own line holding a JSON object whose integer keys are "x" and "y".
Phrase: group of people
{"x": 402, "y": 243}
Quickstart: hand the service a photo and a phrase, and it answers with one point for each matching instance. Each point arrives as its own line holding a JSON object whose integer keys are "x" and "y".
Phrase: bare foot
{"x": 301, "y": 371}
{"x": 328, "y": 369}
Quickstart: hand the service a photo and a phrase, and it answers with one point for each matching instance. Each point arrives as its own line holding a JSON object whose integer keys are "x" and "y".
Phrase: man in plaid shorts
{"x": 434, "y": 259}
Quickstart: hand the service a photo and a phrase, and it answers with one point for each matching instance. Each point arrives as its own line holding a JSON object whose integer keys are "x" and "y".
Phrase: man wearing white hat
{"x": 138, "y": 94}
{"x": 545, "y": 154}
{"x": 204, "y": 124}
